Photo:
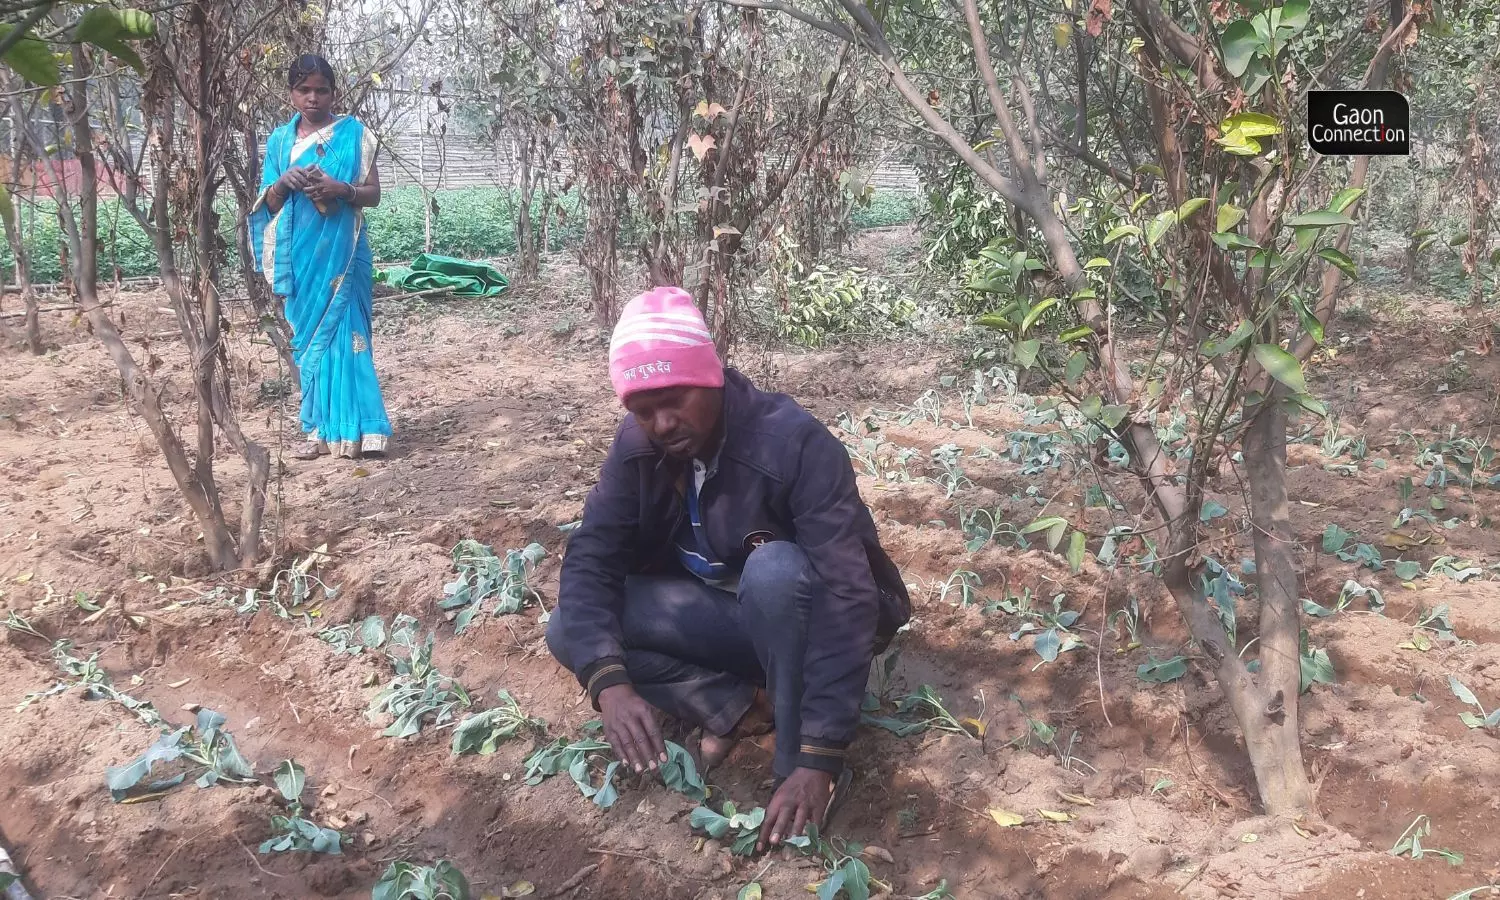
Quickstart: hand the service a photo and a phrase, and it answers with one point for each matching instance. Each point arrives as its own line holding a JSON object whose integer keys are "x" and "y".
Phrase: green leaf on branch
{"x": 1036, "y": 313}
{"x": 1241, "y": 333}
{"x": 1075, "y": 367}
{"x": 31, "y": 59}
{"x": 1282, "y": 366}
{"x": 1055, "y": 526}
{"x": 1122, "y": 231}
{"x": 1309, "y": 320}
{"x": 1075, "y": 334}
{"x": 1025, "y": 353}
{"x": 1252, "y": 124}
{"x": 1319, "y": 218}
{"x": 1097, "y": 262}
{"x": 1345, "y": 198}
{"x": 1340, "y": 259}
{"x": 1228, "y": 216}
{"x": 1240, "y": 42}
{"x": 1229, "y": 240}
{"x": 1111, "y": 416}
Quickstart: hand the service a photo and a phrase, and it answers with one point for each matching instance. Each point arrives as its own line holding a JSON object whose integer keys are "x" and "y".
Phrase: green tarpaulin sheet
{"x": 460, "y": 277}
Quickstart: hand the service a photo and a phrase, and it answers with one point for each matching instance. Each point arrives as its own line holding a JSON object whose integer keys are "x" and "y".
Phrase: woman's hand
{"x": 294, "y": 179}
{"x": 322, "y": 188}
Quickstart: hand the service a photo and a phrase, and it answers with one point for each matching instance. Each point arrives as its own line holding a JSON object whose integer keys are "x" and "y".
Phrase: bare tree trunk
{"x": 31, "y": 334}
{"x": 1271, "y": 722}
{"x": 526, "y": 249}
{"x": 143, "y": 392}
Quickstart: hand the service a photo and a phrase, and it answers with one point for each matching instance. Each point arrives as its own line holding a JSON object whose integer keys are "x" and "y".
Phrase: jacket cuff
{"x": 601, "y": 674}
{"x": 826, "y": 756}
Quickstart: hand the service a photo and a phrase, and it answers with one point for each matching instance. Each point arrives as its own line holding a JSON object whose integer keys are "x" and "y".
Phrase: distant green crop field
{"x": 472, "y": 223}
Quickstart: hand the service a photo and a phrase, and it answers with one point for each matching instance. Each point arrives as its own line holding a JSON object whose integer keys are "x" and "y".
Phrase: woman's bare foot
{"x": 759, "y": 719}
{"x": 309, "y": 450}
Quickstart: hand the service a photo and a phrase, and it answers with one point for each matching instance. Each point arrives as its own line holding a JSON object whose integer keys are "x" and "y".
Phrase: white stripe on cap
{"x": 658, "y": 336}
{"x": 645, "y": 330}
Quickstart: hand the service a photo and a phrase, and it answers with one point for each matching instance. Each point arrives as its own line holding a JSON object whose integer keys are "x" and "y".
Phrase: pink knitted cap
{"x": 662, "y": 341}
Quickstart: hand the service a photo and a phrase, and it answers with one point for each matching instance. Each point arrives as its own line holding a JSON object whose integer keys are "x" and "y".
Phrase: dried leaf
{"x": 360, "y": 472}
{"x": 873, "y": 852}
{"x": 1249, "y": 837}
{"x": 700, "y": 144}
{"x": 1004, "y": 817}
{"x": 178, "y": 684}
{"x": 23, "y": 578}
{"x": 519, "y": 889}
{"x": 1075, "y": 798}
{"x": 1054, "y": 816}
{"x": 974, "y": 723}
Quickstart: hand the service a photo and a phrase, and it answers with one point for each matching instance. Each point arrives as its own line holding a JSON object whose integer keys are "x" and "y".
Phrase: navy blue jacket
{"x": 780, "y": 472}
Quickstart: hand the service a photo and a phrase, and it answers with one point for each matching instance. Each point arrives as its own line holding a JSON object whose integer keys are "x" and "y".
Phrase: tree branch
{"x": 836, "y": 29}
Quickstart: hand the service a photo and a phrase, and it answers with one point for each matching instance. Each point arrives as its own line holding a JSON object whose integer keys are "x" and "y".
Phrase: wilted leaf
{"x": 1157, "y": 671}
{"x": 1462, "y": 692}
{"x": 1076, "y": 547}
{"x": 1055, "y": 816}
{"x": 519, "y": 889}
{"x": 290, "y": 779}
{"x": 1212, "y": 509}
{"x": 701, "y": 144}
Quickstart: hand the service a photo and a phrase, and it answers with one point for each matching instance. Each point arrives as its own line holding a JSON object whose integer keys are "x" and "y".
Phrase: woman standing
{"x": 308, "y": 233}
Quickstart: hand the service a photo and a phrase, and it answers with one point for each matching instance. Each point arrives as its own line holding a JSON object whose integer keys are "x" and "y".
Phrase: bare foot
{"x": 759, "y": 719}
{"x": 309, "y": 450}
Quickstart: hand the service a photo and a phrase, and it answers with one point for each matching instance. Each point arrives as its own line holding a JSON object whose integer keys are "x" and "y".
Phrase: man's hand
{"x": 801, "y": 800}
{"x": 630, "y": 727}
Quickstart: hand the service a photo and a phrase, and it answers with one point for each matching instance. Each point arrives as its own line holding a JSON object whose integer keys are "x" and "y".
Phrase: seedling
{"x": 744, "y": 828}
{"x": 981, "y": 526}
{"x": 963, "y": 585}
{"x": 1036, "y": 452}
{"x": 1484, "y": 719}
{"x": 1038, "y": 732}
{"x": 354, "y": 639}
{"x": 484, "y": 732}
{"x": 1410, "y": 843}
{"x": 291, "y": 591}
{"x": 293, "y": 832}
{"x": 951, "y": 477}
{"x": 418, "y": 692}
{"x": 1130, "y": 614}
{"x": 483, "y": 577}
{"x": 406, "y": 881}
{"x": 924, "y": 711}
{"x": 579, "y": 758}
{"x": 1317, "y": 667}
{"x": 15, "y": 623}
{"x": 205, "y": 743}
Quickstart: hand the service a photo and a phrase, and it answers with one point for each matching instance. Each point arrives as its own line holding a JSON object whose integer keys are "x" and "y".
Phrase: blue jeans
{"x": 698, "y": 653}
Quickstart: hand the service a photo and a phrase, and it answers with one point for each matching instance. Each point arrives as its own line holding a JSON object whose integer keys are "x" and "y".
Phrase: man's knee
{"x": 555, "y": 637}
{"x": 774, "y": 577}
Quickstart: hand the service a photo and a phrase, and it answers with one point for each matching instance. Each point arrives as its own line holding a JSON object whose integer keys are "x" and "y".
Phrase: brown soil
{"x": 503, "y": 414}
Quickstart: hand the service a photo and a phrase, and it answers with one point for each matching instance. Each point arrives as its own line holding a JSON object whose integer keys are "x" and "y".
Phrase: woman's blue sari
{"x": 319, "y": 262}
